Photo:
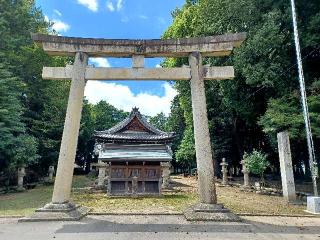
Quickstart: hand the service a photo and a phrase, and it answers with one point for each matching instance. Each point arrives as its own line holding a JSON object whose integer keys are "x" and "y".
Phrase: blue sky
{"x": 118, "y": 19}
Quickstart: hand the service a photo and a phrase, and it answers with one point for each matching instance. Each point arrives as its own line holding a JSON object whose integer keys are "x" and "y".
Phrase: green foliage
{"x": 25, "y": 151}
{"x": 159, "y": 121}
{"x": 106, "y": 115}
{"x": 256, "y": 162}
{"x": 274, "y": 120}
{"x": 185, "y": 155}
{"x": 175, "y": 123}
{"x": 11, "y": 125}
{"x": 33, "y": 110}
{"x": 246, "y": 112}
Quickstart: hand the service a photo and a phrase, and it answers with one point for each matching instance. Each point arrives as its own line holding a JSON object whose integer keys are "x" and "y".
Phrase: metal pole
{"x": 312, "y": 161}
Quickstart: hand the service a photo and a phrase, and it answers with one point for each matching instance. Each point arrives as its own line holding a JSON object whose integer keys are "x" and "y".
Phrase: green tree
{"x": 159, "y": 121}
{"x": 265, "y": 67}
{"x": 85, "y": 141}
{"x": 256, "y": 162}
{"x": 11, "y": 125}
{"x": 106, "y": 115}
{"x": 24, "y": 60}
{"x": 185, "y": 155}
{"x": 175, "y": 123}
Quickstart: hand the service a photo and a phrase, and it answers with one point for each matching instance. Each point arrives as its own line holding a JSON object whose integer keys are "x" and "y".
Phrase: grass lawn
{"x": 248, "y": 202}
{"x": 24, "y": 203}
{"x": 171, "y": 202}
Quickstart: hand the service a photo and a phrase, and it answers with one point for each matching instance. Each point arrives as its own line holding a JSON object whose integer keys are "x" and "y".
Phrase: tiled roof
{"x": 119, "y": 132}
{"x": 135, "y": 154}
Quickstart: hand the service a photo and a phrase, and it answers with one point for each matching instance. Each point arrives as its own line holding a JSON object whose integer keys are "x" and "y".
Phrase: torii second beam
{"x": 101, "y": 73}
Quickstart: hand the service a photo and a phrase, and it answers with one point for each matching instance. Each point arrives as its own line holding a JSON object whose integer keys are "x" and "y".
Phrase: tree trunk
{"x": 237, "y": 139}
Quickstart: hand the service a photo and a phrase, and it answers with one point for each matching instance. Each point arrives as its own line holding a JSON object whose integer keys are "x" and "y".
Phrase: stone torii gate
{"x": 82, "y": 48}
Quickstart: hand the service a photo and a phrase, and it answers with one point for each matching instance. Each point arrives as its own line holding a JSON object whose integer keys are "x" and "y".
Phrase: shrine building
{"x": 134, "y": 157}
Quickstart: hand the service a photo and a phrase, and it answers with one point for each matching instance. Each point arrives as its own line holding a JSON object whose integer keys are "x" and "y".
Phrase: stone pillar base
{"x": 48, "y": 181}
{"x": 221, "y": 184}
{"x": 101, "y": 188}
{"x": 245, "y": 188}
{"x": 210, "y": 212}
{"x": 20, "y": 189}
{"x": 57, "y": 212}
{"x": 313, "y": 205}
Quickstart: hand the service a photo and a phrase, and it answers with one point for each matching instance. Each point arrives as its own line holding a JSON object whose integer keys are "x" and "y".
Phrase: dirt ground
{"x": 184, "y": 194}
{"x": 242, "y": 202}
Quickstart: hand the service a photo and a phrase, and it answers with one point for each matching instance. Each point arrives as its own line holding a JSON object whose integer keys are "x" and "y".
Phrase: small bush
{"x": 256, "y": 162}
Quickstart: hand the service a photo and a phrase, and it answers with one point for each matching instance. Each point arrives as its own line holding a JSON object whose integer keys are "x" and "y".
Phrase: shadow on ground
{"x": 90, "y": 225}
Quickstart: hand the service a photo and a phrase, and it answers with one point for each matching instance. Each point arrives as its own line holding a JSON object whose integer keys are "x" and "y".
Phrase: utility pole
{"x": 312, "y": 161}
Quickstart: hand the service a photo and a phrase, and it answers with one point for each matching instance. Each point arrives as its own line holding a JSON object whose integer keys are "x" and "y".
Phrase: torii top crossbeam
{"x": 139, "y": 49}
{"x": 221, "y": 45}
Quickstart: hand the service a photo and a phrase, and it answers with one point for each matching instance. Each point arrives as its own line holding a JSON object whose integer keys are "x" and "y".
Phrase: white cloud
{"x": 57, "y": 12}
{"x": 57, "y": 25}
{"x": 144, "y": 17}
{"x": 119, "y": 4}
{"x": 110, "y": 6}
{"x": 123, "y": 98}
{"x": 100, "y": 62}
{"x": 113, "y": 5}
{"x": 90, "y": 4}
{"x": 60, "y": 26}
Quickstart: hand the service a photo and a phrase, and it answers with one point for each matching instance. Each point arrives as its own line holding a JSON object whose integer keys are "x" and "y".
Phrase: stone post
{"x": 160, "y": 185}
{"x": 224, "y": 171}
{"x": 108, "y": 180}
{"x": 237, "y": 171}
{"x": 108, "y": 170}
{"x": 101, "y": 177}
{"x": 21, "y": 175}
{"x": 231, "y": 172}
{"x": 246, "y": 179}
{"x": 134, "y": 186}
{"x": 206, "y": 184}
{"x": 50, "y": 173}
{"x": 165, "y": 167}
{"x": 287, "y": 179}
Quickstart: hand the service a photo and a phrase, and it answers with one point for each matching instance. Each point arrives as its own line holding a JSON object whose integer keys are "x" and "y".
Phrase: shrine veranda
{"x": 60, "y": 208}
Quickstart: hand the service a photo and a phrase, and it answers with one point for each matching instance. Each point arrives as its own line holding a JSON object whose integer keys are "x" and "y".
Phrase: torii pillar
{"x": 206, "y": 183}
{"x": 60, "y": 208}
{"x": 207, "y": 208}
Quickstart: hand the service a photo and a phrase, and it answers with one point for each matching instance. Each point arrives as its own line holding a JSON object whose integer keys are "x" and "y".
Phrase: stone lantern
{"x": 245, "y": 171}
{"x": 50, "y": 173}
{"x": 21, "y": 175}
{"x": 224, "y": 171}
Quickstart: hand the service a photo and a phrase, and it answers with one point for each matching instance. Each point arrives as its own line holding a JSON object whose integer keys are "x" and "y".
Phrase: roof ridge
{"x": 134, "y": 113}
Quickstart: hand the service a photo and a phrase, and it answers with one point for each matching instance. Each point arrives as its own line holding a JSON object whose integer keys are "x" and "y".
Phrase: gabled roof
{"x": 135, "y": 128}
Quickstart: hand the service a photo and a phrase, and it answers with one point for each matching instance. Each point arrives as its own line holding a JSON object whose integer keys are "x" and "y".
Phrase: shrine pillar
{"x": 206, "y": 184}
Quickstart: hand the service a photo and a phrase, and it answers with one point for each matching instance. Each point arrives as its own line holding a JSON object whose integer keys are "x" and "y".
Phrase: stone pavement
{"x": 162, "y": 227}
